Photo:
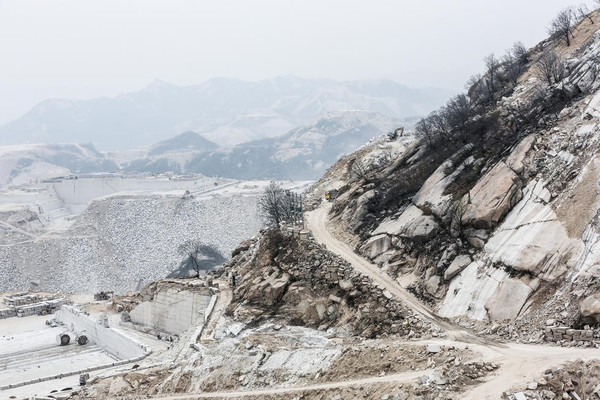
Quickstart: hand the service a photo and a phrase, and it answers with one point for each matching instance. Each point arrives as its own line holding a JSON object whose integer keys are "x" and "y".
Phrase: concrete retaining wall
{"x": 114, "y": 341}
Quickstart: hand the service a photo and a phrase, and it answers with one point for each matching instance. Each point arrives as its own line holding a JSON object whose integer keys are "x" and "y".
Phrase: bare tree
{"x": 457, "y": 211}
{"x": 359, "y": 169}
{"x": 550, "y": 67}
{"x": 491, "y": 65}
{"x": 198, "y": 257}
{"x": 562, "y": 25}
{"x": 475, "y": 88}
{"x": 583, "y": 12}
{"x": 458, "y": 111}
{"x": 515, "y": 61}
{"x": 519, "y": 52}
{"x": 272, "y": 205}
{"x": 424, "y": 128}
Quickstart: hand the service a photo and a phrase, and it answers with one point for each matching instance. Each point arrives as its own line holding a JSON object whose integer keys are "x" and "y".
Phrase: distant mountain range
{"x": 224, "y": 111}
{"x": 302, "y": 153}
{"x": 25, "y": 163}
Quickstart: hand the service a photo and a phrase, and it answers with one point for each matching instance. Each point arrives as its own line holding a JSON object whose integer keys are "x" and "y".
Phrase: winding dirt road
{"x": 519, "y": 363}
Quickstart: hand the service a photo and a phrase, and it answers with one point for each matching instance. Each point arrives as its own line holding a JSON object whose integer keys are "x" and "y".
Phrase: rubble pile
{"x": 298, "y": 281}
{"x": 574, "y": 381}
{"x": 120, "y": 241}
{"x": 24, "y": 304}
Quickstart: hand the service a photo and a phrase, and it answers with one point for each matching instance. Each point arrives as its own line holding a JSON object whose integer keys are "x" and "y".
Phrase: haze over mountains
{"x": 246, "y": 130}
{"x": 226, "y": 111}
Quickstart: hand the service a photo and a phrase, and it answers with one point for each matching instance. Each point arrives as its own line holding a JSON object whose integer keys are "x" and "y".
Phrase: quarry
{"x": 456, "y": 260}
{"x": 86, "y": 233}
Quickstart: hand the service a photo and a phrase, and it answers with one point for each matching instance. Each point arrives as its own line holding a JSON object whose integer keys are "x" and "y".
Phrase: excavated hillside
{"x": 296, "y": 281}
{"x": 458, "y": 262}
{"x": 494, "y": 219}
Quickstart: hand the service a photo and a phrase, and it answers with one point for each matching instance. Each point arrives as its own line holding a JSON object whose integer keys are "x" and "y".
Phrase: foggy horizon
{"x": 74, "y": 50}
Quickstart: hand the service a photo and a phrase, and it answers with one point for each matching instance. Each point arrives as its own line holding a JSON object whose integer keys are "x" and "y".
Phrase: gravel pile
{"x": 120, "y": 242}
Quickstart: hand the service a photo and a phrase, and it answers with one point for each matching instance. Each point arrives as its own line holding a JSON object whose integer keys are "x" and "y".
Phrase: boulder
{"x": 432, "y": 191}
{"x": 517, "y": 156}
{"x": 508, "y": 300}
{"x": 434, "y": 348}
{"x": 476, "y": 237}
{"x": 346, "y": 285}
{"x": 492, "y": 197}
{"x": 456, "y": 266}
{"x": 377, "y": 245}
{"x": 412, "y": 224}
{"x": 244, "y": 246}
{"x": 590, "y": 308}
{"x": 433, "y": 285}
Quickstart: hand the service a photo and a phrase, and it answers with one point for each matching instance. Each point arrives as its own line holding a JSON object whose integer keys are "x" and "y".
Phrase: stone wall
{"x": 556, "y": 334}
{"x": 27, "y": 308}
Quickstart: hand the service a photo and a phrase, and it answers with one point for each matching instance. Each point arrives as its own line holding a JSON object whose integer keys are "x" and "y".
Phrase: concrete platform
{"x": 28, "y": 350}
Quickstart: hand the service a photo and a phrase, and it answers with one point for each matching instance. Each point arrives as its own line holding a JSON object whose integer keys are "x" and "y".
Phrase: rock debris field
{"x": 120, "y": 240}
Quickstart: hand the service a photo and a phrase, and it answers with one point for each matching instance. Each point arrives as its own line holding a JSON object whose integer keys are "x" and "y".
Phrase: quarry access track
{"x": 317, "y": 223}
{"x": 519, "y": 363}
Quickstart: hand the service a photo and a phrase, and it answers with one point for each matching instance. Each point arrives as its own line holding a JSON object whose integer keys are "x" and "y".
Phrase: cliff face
{"x": 499, "y": 220}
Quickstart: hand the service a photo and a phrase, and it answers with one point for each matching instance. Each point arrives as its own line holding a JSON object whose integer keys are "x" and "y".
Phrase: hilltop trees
{"x": 550, "y": 67}
{"x": 562, "y": 25}
{"x": 276, "y": 205}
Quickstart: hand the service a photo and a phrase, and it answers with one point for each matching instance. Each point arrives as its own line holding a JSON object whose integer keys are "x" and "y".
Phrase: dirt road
{"x": 519, "y": 363}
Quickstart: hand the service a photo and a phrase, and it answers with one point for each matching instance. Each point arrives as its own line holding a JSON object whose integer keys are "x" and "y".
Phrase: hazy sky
{"x": 91, "y": 48}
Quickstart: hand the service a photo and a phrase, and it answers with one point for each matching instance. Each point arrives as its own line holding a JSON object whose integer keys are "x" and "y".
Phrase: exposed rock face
{"x": 412, "y": 224}
{"x": 456, "y": 266}
{"x": 508, "y": 300}
{"x": 492, "y": 197}
{"x": 531, "y": 238}
{"x": 433, "y": 192}
{"x": 469, "y": 291}
{"x": 517, "y": 157}
{"x": 496, "y": 224}
{"x": 378, "y": 245}
{"x": 298, "y": 281}
{"x": 590, "y": 309}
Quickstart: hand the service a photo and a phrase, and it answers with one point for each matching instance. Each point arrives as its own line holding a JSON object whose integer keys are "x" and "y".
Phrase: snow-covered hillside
{"x": 27, "y": 163}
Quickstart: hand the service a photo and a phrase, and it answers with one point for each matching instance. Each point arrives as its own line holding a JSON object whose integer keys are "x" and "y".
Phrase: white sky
{"x": 91, "y": 48}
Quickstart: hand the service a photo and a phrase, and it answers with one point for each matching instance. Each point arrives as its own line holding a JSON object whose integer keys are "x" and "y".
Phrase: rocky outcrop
{"x": 470, "y": 291}
{"x": 590, "y": 309}
{"x": 378, "y": 245}
{"x": 411, "y": 224}
{"x": 508, "y": 300}
{"x": 456, "y": 266}
{"x": 296, "y": 280}
{"x": 492, "y": 197}
{"x": 433, "y": 193}
{"x": 531, "y": 239}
